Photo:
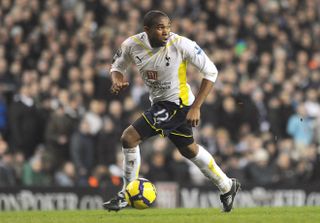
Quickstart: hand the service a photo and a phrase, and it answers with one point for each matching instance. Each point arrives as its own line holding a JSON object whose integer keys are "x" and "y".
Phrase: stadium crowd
{"x": 60, "y": 125}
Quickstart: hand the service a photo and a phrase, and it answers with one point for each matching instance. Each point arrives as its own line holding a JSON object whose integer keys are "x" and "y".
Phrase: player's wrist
{"x": 196, "y": 106}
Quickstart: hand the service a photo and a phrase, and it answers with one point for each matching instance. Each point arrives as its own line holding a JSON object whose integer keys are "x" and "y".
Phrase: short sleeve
{"x": 196, "y": 56}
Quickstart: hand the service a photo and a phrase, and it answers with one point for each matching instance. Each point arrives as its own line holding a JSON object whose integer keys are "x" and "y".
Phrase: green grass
{"x": 248, "y": 215}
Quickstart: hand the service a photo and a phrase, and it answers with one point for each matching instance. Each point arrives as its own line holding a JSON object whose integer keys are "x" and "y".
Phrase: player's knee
{"x": 126, "y": 140}
{"x": 189, "y": 151}
{"x": 129, "y": 138}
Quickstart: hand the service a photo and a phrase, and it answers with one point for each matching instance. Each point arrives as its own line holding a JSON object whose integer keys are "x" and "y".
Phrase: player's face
{"x": 159, "y": 33}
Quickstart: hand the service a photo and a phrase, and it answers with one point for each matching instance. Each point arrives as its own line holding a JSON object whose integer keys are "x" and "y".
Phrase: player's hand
{"x": 118, "y": 86}
{"x": 193, "y": 116}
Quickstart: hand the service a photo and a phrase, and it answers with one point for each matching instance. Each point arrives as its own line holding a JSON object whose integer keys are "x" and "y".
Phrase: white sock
{"x": 210, "y": 169}
{"x": 131, "y": 165}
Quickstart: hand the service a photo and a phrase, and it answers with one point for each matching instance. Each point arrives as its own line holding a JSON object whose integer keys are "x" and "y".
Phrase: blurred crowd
{"x": 60, "y": 125}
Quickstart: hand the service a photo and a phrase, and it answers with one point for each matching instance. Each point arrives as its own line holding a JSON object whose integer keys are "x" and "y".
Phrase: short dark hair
{"x": 152, "y": 16}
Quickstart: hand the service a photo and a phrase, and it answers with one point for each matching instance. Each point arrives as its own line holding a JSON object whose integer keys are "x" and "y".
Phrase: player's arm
{"x": 118, "y": 82}
{"x": 121, "y": 61}
{"x": 193, "y": 116}
{"x": 195, "y": 55}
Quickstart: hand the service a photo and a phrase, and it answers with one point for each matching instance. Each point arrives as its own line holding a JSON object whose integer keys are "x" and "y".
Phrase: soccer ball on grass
{"x": 140, "y": 193}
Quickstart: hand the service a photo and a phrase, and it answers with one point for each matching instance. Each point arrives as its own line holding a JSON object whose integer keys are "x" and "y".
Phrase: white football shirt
{"x": 164, "y": 69}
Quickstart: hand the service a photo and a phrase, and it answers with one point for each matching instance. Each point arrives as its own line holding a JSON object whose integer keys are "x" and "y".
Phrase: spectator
{"x": 24, "y": 123}
{"x": 82, "y": 150}
{"x": 18, "y": 163}
{"x": 236, "y": 169}
{"x": 207, "y": 138}
{"x": 230, "y": 118}
{"x": 58, "y": 132}
{"x": 285, "y": 172}
{"x": 260, "y": 108}
{"x": 259, "y": 171}
{"x": 179, "y": 168}
{"x": 74, "y": 109}
{"x": 300, "y": 127}
{"x": 210, "y": 109}
{"x": 247, "y": 109}
{"x": 7, "y": 174}
{"x": 33, "y": 173}
{"x": 157, "y": 168}
{"x": 93, "y": 116}
{"x": 305, "y": 166}
{"x": 66, "y": 177}
{"x": 107, "y": 143}
{"x": 312, "y": 105}
{"x": 116, "y": 114}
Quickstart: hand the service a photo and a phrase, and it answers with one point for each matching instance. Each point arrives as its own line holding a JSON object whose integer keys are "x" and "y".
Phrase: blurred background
{"x": 60, "y": 125}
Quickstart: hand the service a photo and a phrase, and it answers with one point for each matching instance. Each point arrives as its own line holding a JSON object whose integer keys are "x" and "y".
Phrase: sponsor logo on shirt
{"x": 152, "y": 75}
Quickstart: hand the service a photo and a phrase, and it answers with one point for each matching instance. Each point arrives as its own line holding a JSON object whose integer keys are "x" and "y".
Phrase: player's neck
{"x": 153, "y": 44}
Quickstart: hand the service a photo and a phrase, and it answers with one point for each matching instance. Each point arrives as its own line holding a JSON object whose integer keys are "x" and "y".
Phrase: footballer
{"x": 162, "y": 58}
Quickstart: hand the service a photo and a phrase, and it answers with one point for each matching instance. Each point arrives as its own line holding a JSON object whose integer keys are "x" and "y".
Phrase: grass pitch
{"x": 266, "y": 214}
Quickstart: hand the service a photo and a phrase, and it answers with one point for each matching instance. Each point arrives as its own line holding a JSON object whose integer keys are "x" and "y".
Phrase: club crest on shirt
{"x": 151, "y": 75}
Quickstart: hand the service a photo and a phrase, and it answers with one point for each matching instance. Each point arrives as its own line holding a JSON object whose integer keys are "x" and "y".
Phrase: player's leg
{"x": 130, "y": 140}
{"x": 206, "y": 163}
